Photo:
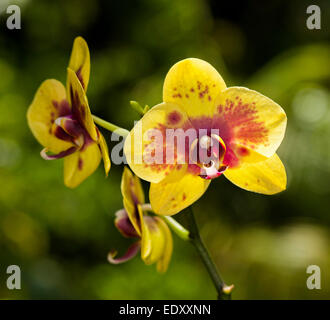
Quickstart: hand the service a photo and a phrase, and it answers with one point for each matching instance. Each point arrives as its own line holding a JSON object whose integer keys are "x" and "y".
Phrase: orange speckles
{"x": 238, "y": 121}
{"x": 192, "y": 90}
{"x": 187, "y": 95}
{"x": 184, "y": 197}
{"x": 242, "y": 118}
{"x": 174, "y": 89}
{"x": 209, "y": 98}
{"x": 177, "y": 95}
{"x": 202, "y": 91}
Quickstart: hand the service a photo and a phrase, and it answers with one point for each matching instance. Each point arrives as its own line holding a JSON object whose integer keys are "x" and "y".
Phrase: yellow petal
{"x": 266, "y": 177}
{"x": 105, "y": 152}
{"x": 153, "y": 240}
{"x": 193, "y": 84}
{"x": 165, "y": 259}
{"x": 48, "y": 104}
{"x": 249, "y": 119}
{"x": 168, "y": 198}
{"x": 79, "y": 104}
{"x": 81, "y": 164}
{"x": 146, "y": 244}
{"x": 133, "y": 195}
{"x": 156, "y": 241}
{"x": 80, "y": 61}
{"x": 146, "y": 148}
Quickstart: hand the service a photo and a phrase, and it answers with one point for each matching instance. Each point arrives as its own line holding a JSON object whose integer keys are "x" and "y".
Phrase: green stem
{"x": 111, "y": 127}
{"x": 224, "y": 291}
{"x": 177, "y": 228}
{"x": 174, "y": 225}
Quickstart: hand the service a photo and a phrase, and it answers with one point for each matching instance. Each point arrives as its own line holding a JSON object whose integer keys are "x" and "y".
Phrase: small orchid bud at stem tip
{"x": 146, "y": 109}
{"x": 228, "y": 289}
{"x": 136, "y": 106}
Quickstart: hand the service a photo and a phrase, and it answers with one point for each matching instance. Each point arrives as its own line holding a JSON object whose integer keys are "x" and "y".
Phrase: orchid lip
{"x": 69, "y": 125}
{"x": 128, "y": 255}
{"x": 211, "y": 150}
{"x": 72, "y": 131}
{"x": 59, "y": 155}
{"x": 212, "y": 171}
{"x": 79, "y": 141}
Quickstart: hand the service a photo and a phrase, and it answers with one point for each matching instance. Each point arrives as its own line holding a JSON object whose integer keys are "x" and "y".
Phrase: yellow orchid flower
{"x": 154, "y": 237}
{"x": 60, "y": 119}
{"x": 231, "y": 131}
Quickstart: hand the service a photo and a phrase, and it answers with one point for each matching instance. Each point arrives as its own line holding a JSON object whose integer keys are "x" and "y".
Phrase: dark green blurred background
{"x": 262, "y": 244}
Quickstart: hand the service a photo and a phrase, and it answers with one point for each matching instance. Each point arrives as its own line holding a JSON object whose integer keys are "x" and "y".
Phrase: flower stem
{"x": 111, "y": 127}
{"x": 224, "y": 291}
{"x": 177, "y": 228}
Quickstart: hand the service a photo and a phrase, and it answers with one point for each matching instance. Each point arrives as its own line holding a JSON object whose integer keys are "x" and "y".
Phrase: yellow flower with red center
{"x": 154, "y": 238}
{"x": 61, "y": 121}
{"x": 231, "y": 131}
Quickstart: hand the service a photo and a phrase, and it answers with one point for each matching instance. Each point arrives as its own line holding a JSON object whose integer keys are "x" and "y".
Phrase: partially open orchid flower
{"x": 153, "y": 237}
{"x": 61, "y": 121}
{"x": 231, "y": 131}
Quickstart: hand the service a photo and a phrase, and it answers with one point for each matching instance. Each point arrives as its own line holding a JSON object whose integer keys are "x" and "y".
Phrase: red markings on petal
{"x": 78, "y": 110}
{"x": 203, "y": 90}
{"x": 174, "y": 118}
{"x": 177, "y": 95}
{"x": 242, "y": 151}
{"x": 238, "y": 122}
{"x": 79, "y": 76}
{"x": 80, "y": 164}
{"x": 62, "y": 108}
{"x": 235, "y": 122}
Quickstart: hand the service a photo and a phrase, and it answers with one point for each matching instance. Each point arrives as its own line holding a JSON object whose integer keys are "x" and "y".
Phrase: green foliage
{"x": 61, "y": 237}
